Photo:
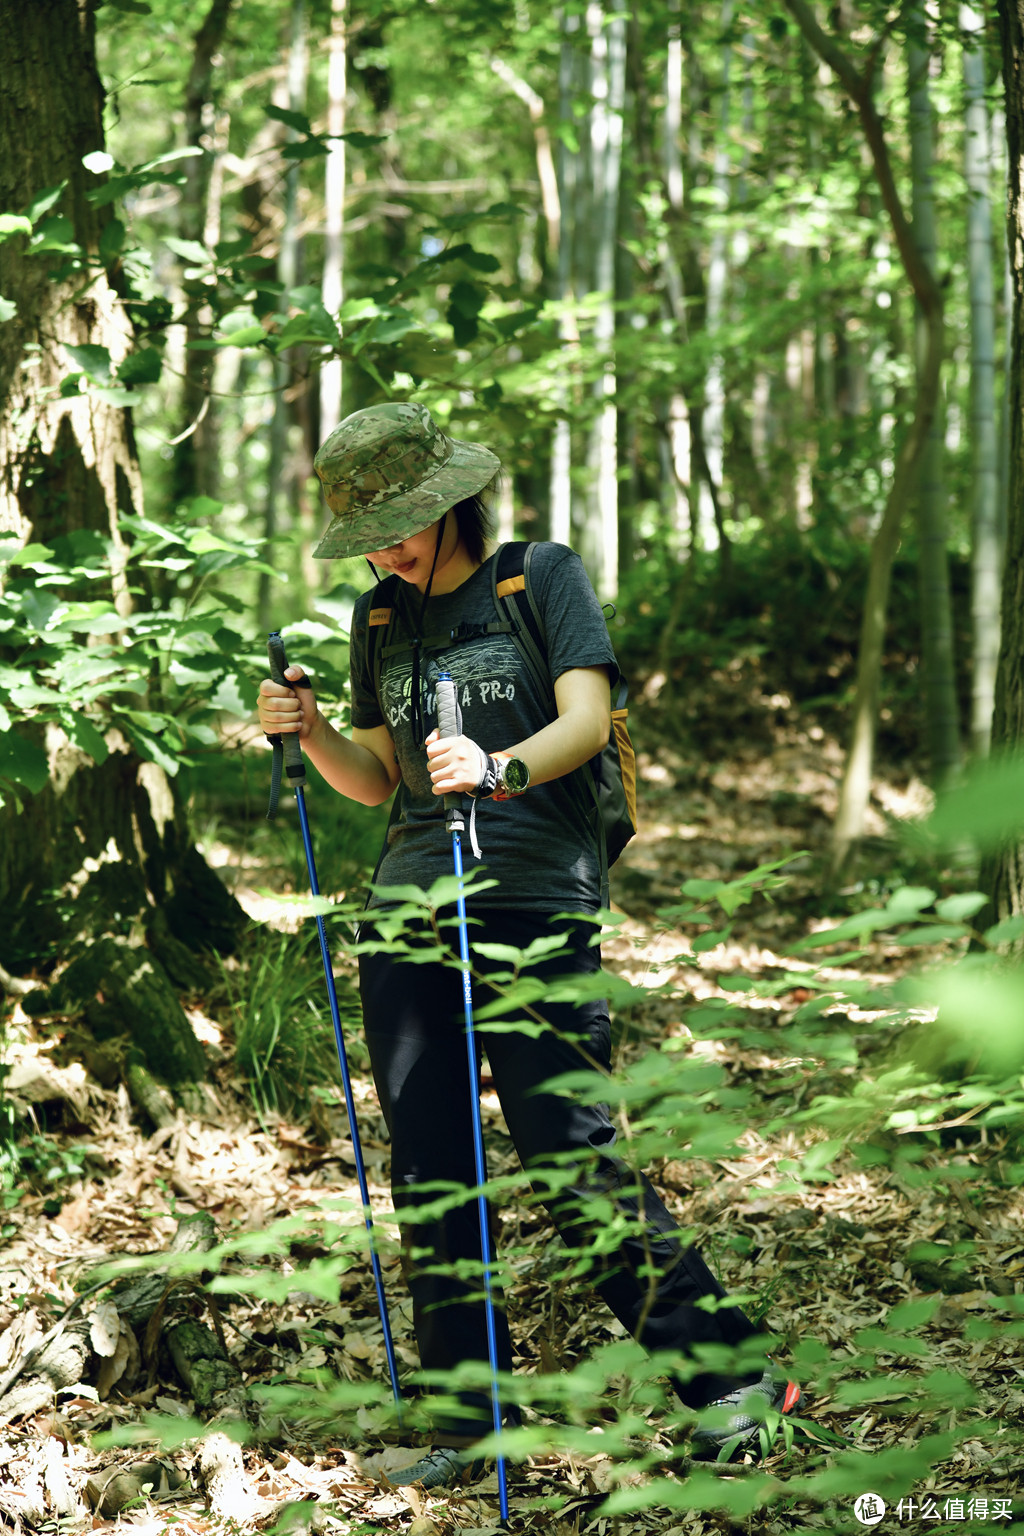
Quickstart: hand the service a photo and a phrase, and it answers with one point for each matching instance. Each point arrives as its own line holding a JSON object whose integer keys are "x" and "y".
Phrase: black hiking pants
{"x": 415, "y": 1031}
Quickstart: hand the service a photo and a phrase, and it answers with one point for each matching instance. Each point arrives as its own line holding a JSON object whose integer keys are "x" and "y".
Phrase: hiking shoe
{"x": 732, "y": 1422}
{"x": 442, "y": 1467}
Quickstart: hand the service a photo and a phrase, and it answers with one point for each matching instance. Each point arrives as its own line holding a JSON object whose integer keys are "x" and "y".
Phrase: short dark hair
{"x": 477, "y": 524}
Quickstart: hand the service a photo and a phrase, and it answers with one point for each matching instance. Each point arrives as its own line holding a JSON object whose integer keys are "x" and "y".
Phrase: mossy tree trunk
{"x": 99, "y": 850}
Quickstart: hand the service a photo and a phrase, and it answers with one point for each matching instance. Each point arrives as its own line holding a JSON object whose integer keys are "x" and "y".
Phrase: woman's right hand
{"x": 284, "y": 710}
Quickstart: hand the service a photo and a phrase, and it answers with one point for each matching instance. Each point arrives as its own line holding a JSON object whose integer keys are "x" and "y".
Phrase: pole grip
{"x": 295, "y": 768}
{"x": 448, "y": 724}
{"x": 447, "y": 705}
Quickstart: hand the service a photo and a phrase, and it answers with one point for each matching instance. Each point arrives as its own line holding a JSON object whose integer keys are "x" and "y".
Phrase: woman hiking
{"x": 408, "y": 497}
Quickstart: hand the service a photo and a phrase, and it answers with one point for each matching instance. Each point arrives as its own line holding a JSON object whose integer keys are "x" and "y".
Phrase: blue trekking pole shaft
{"x": 295, "y": 771}
{"x": 447, "y": 720}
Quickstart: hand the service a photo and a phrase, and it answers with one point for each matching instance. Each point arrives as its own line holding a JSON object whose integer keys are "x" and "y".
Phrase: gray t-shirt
{"x": 540, "y": 846}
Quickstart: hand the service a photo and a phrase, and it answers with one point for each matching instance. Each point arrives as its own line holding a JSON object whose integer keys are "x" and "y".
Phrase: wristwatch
{"x": 513, "y": 777}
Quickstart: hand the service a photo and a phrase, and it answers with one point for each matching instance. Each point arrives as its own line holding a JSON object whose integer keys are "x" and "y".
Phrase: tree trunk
{"x": 942, "y": 724}
{"x": 1003, "y": 872}
{"x": 856, "y": 787}
{"x": 334, "y": 209}
{"x": 194, "y": 449}
{"x": 986, "y": 557}
{"x": 608, "y": 77}
{"x": 98, "y": 846}
{"x": 567, "y": 166}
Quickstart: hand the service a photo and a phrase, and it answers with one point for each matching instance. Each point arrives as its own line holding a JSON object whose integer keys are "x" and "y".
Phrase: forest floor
{"x": 832, "y": 1256}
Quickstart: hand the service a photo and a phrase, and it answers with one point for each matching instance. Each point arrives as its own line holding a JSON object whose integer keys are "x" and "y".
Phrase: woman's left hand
{"x": 455, "y": 764}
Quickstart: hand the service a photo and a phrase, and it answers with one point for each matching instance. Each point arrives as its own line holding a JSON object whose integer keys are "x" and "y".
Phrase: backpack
{"x": 607, "y": 780}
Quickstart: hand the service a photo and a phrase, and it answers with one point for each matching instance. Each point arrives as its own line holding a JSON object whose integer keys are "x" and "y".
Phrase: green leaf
{"x": 93, "y": 360}
{"x": 112, "y": 241}
{"x": 933, "y": 933}
{"x": 121, "y": 398}
{"x": 304, "y": 149}
{"x": 141, "y": 367}
{"x": 294, "y": 120}
{"x": 360, "y": 140}
{"x": 22, "y": 762}
{"x": 245, "y": 336}
{"x": 906, "y": 902}
{"x": 706, "y": 941}
{"x": 956, "y": 909}
{"x": 44, "y": 201}
{"x": 56, "y": 234}
{"x": 1006, "y": 931}
{"x": 28, "y": 554}
{"x": 84, "y": 734}
{"x": 14, "y": 224}
{"x": 189, "y": 250}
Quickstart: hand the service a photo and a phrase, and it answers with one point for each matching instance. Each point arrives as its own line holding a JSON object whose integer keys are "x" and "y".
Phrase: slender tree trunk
{"x": 712, "y": 533}
{"x": 986, "y": 551}
{"x": 676, "y": 443}
{"x": 1003, "y": 872}
{"x": 287, "y": 276}
{"x": 194, "y": 465}
{"x": 334, "y": 209}
{"x": 942, "y": 723}
{"x": 560, "y": 492}
{"x": 608, "y": 79}
{"x": 856, "y": 787}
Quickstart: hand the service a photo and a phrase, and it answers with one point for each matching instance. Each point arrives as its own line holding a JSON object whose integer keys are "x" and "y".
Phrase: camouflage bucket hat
{"x": 389, "y": 472}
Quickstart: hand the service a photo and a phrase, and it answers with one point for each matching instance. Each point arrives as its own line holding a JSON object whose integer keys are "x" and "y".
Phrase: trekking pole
{"x": 448, "y": 724}
{"x": 287, "y": 749}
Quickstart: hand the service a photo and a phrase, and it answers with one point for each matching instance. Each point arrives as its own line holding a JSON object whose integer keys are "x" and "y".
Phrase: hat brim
{"x": 364, "y": 530}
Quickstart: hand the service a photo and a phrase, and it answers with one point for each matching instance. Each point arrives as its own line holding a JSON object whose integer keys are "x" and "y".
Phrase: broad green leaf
{"x": 44, "y": 201}
{"x": 906, "y": 902}
{"x": 189, "y": 250}
{"x": 987, "y": 808}
{"x": 957, "y": 909}
{"x": 93, "y": 360}
{"x": 22, "y": 761}
{"x": 14, "y": 224}
{"x": 244, "y": 336}
{"x": 27, "y": 554}
{"x": 120, "y": 398}
{"x": 360, "y": 140}
{"x": 5, "y": 719}
{"x": 1006, "y": 931}
{"x": 304, "y": 149}
{"x": 84, "y": 734}
{"x": 141, "y": 367}
{"x": 933, "y": 933}
{"x": 294, "y": 120}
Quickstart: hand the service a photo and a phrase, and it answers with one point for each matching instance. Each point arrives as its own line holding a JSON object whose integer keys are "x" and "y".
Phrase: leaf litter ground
{"x": 831, "y": 1257}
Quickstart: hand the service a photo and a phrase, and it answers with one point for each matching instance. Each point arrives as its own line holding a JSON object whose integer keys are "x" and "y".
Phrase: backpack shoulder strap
{"x": 377, "y": 625}
{"x": 510, "y": 584}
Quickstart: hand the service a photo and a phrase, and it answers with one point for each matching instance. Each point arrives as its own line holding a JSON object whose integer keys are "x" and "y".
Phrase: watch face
{"x": 516, "y": 776}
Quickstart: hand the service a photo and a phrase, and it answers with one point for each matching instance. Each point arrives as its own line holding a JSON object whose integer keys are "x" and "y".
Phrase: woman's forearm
{"x": 567, "y": 743}
{"x": 351, "y": 769}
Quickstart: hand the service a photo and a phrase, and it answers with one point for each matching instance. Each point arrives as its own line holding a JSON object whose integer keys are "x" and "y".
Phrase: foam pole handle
{"x": 447, "y": 707}
{"x": 294, "y": 765}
